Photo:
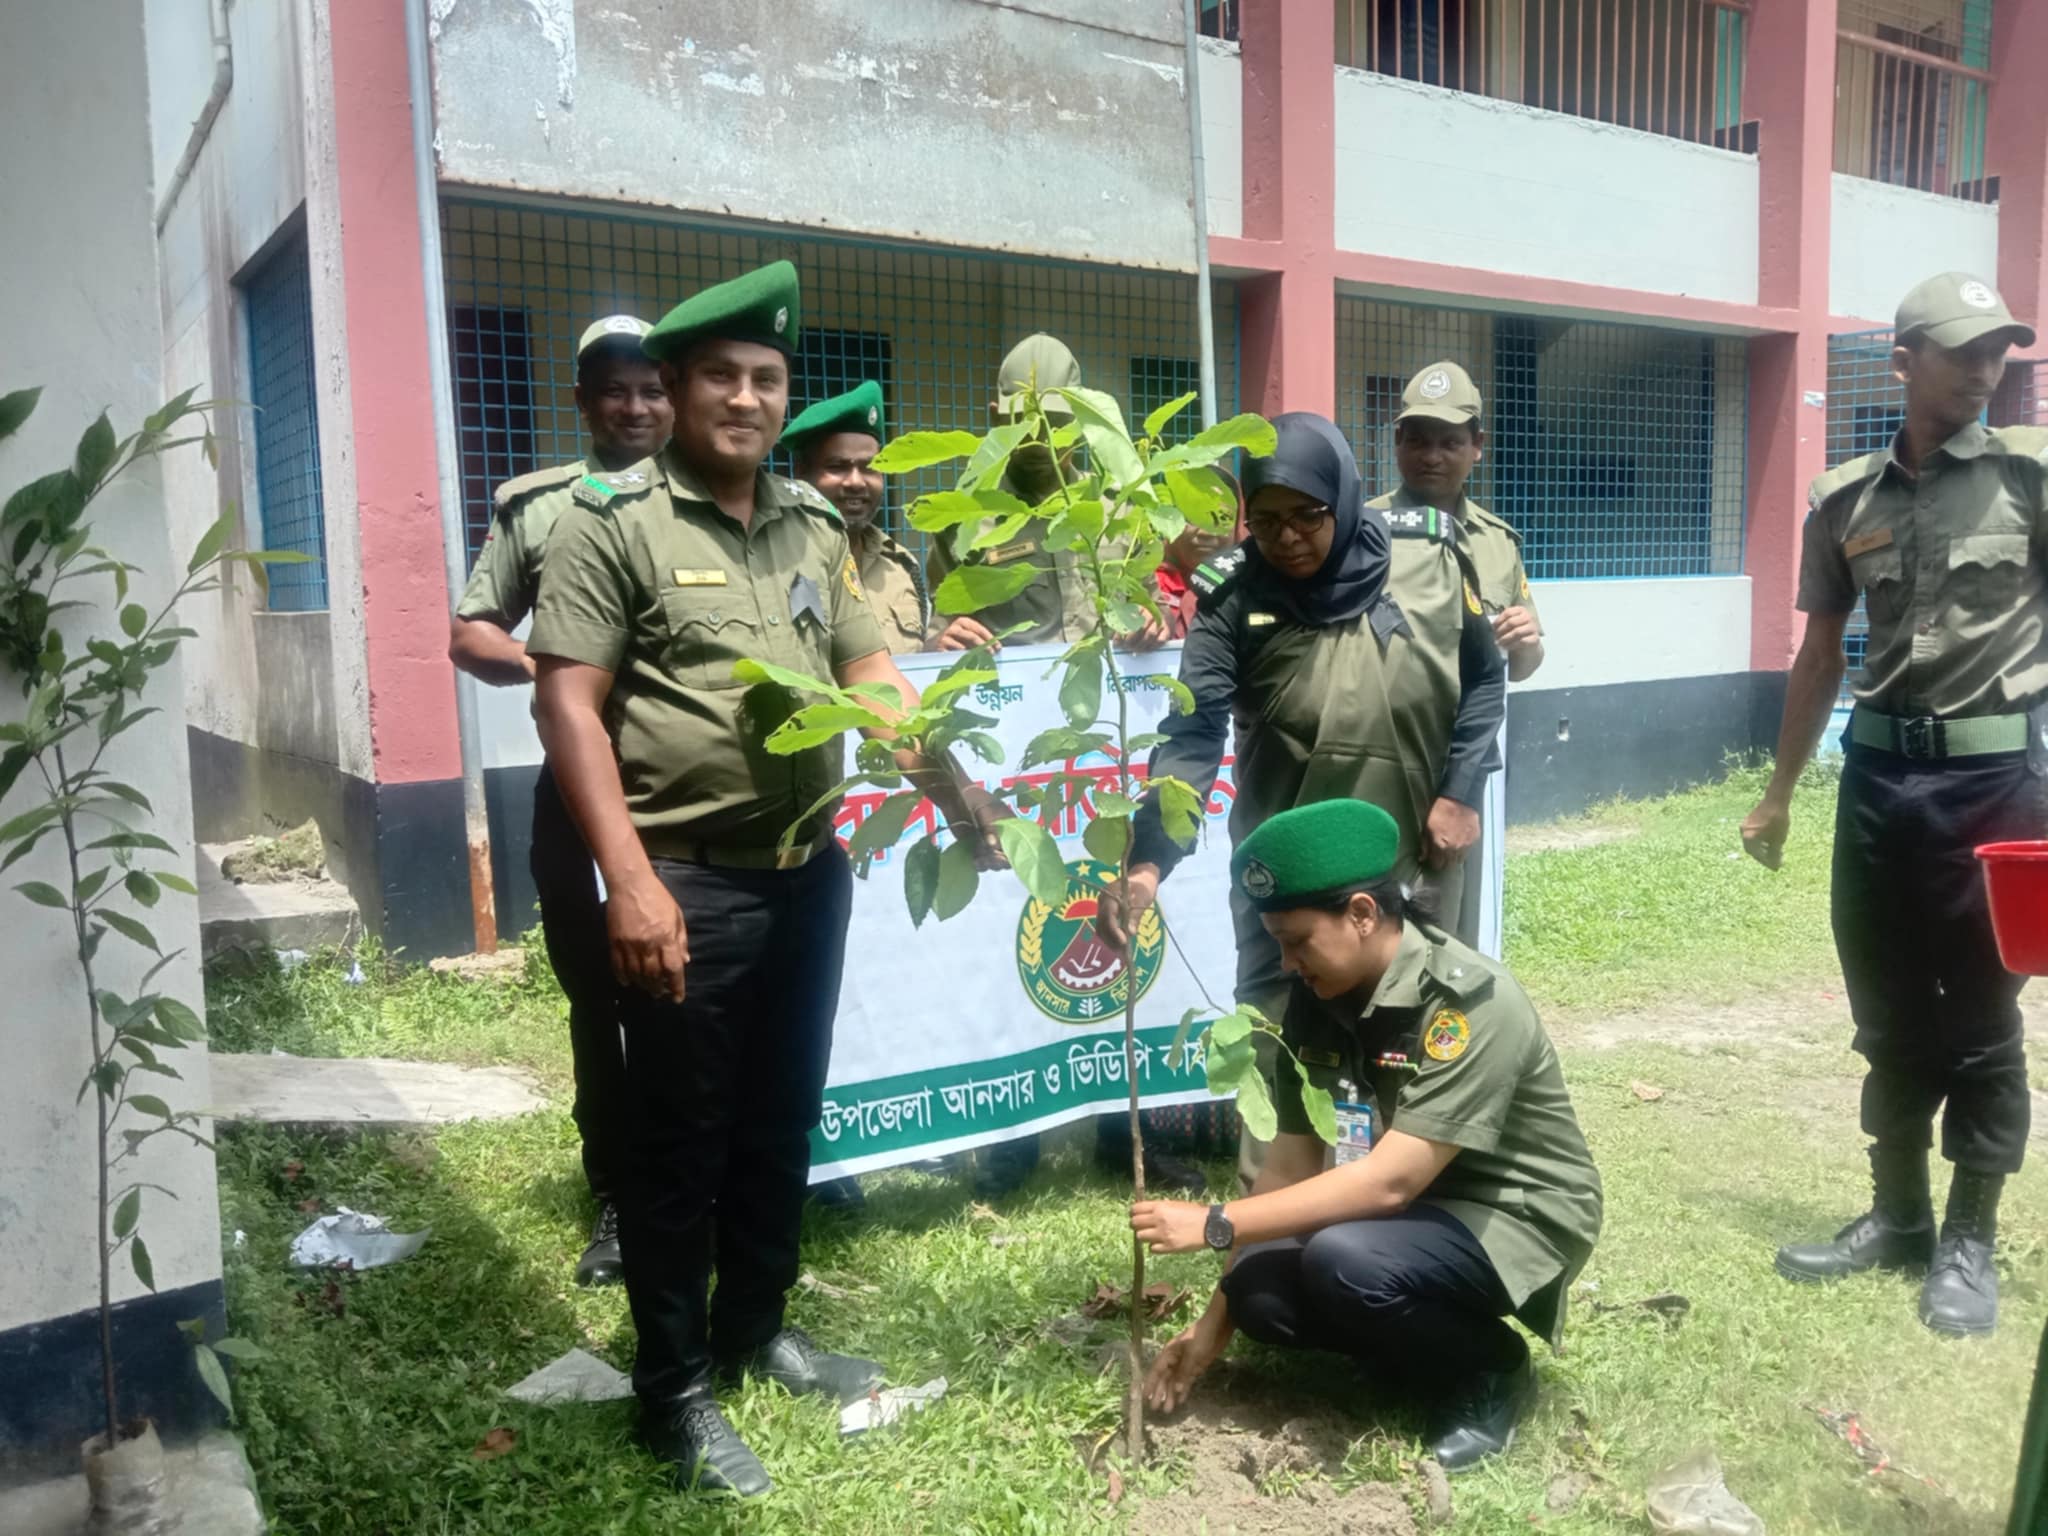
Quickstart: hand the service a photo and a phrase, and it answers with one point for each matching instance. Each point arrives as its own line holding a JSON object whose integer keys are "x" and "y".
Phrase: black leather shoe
{"x": 704, "y": 1451}
{"x": 1479, "y": 1420}
{"x": 601, "y": 1264}
{"x": 800, "y": 1366}
{"x": 1960, "y": 1297}
{"x": 1867, "y": 1243}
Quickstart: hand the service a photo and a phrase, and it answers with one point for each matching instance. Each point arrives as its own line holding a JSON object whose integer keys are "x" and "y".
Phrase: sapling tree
{"x": 1113, "y": 517}
{"x": 82, "y": 692}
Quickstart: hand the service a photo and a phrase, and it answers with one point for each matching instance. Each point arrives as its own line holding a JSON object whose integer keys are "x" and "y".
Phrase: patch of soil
{"x": 508, "y": 964}
{"x": 1558, "y": 836}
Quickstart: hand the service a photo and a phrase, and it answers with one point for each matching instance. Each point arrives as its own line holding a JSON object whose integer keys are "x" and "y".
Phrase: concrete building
{"x": 1661, "y": 233}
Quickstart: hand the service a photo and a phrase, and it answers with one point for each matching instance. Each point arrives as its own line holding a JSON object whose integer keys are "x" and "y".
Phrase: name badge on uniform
{"x": 1319, "y": 1058}
{"x": 699, "y": 578}
{"x": 1865, "y": 543}
{"x": 1011, "y": 551}
{"x": 1258, "y": 620}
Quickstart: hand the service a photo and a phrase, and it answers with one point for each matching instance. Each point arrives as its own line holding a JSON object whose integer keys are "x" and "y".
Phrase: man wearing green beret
{"x": 1476, "y": 1199}
{"x": 1944, "y": 537}
{"x": 620, "y": 396}
{"x": 728, "y": 944}
{"x": 834, "y": 444}
{"x": 1450, "y": 556}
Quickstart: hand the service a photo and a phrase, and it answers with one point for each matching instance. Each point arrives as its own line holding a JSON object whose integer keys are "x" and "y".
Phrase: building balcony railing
{"x": 1912, "y": 92}
{"x": 1671, "y": 67}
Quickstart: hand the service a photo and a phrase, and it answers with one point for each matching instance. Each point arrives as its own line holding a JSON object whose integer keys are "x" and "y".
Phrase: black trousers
{"x": 572, "y": 920}
{"x": 724, "y": 1089}
{"x": 1414, "y": 1297}
{"x": 1937, "y": 1015}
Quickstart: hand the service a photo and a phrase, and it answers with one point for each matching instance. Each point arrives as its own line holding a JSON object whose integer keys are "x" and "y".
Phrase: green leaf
{"x": 920, "y": 450}
{"x": 1060, "y": 743}
{"x": 1180, "y": 694}
{"x": 1144, "y": 741}
{"x": 25, "y": 847}
{"x": 145, "y": 1271}
{"x": 1230, "y": 1029}
{"x": 212, "y": 1373}
{"x": 1109, "y": 442}
{"x": 96, "y": 452}
{"x": 55, "y": 501}
{"x": 89, "y": 884}
{"x": 211, "y": 542}
{"x": 29, "y": 820}
{"x": 127, "y": 1213}
{"x": 123, "y": 840}
{"x": 16, "y": 407}
{"x": 160, "y": 421}
{"x": 176, "y": 883}
{"x": 1255, "y": 1107}
{"x": 133, "y": 796}
{"x": 1081, "y": 690}
{"x": 1322, "y": 1110}
{"x": 1180, "y": 1036}
{"x": 179, "y": 1019}
{"x": 1156, "y": 422}
{"x": 1180, "y": 809}
{"x": 920, "y": 879}
{"x": 885, "y": 697}
{"x": 1203, "y": 497}
{"x": 1247, "y": 430}
{"x": 12, "y": 762}
{"x": 243, "y": 1350}
{"x": 128, "y": 928}
{"x": 971, "y": 588}
{"x": 957, "y": 880}
{"x": 959, "y": 680}
{"x": 1035, "y": 856}
{"x": 142, "y": 888}
{"x": 985, "y": 746}
{"x": 42, "y": 894}
{"x": 954, "y": 509}
{"x": 999, "y": 532}
{"x": 884, "y": 825}
{"x": 751, "y": 671}
{"x": 992, "y": 458}
{"x": 1109, "y": 803}
{"x": 1228, "y": 1064}
{"x": 1106, "y": 838}
{"x": 149, "y": 1104}
{"x": 134, "y": 620}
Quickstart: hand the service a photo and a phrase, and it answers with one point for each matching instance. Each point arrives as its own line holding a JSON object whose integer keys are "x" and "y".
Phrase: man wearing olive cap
{"x": 834, "y": 444}
{"x": 728, "y": 943}
{"x": 1477, "y": 1199}
{"x": 1451, "y": 556}
{"x": 1944, "y": 536}
{"x": 620, "y": 396}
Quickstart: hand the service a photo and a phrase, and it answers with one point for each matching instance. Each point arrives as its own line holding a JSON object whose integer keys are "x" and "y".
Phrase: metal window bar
{"x": 1679, "y": 73}
{"x": 1912, "y": 94}
{"x": 279, "y": 297}
{"x": 934, "y": 322}
{"x": 1157, "y": 381}
{"x": 1614, "y": 450}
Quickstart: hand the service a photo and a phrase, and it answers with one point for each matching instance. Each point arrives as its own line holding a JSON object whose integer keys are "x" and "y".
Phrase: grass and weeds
{"x": 380, "y": 1388}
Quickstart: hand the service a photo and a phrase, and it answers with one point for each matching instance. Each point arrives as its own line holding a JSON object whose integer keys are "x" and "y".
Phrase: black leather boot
{"x": 601, "y": 1264}
{"x": 793, "y": 1360}
{"x": 1478, "y": 1420}
{"x": 1961, "y": 1294}
{"x": 705, "y": 1452}
{"x": 1896, "y": 1233}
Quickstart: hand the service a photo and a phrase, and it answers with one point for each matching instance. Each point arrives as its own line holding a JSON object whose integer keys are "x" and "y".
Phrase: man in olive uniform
{"x": 1449, "y": 548}
{"x": 621, "y": 399}
{"x": 1478, "y": 1199}
{"x": 834, "y": 443}
{"x": 729, "y": 945}
{"x": 1945, "y": 538}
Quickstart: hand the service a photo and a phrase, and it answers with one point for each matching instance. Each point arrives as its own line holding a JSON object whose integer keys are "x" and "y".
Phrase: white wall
{"x": 1429, "y": 174}
{"x": 81, "y": 319}
{"x": 1885, "y": 239}
{"x": 1640, "y": 631}
{"x": 1223, "y": 135}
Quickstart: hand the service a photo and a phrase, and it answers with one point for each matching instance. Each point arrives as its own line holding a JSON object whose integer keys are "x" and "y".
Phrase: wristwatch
{"x": 1217, "y": 1231}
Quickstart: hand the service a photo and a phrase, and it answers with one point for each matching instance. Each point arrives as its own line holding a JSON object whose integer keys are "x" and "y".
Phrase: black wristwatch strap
{"x": 1217, "y": 1231}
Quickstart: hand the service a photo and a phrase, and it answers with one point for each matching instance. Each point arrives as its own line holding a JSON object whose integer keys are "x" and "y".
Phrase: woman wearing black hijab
{"x": 1298, "y": 641}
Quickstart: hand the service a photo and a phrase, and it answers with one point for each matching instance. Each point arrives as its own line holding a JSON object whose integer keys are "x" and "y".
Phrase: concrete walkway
{"x": 366, "y": 1092}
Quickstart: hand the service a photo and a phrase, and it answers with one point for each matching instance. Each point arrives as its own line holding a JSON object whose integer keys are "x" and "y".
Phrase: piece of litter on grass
{"x": 289, "y": 960}
{"x": 499, "y": 1442}
{"x": 1848, "y": 1424}
{"x": 357, "y": 1240}
{"x": 241, "y": 1238}
{"x": 1649, "y": 1093}
{"x": 1691, "y": 1498}
{"x": 879, "y": 1409}
{"x": 1007, "y": 1239}
{"x": 813, "y": 1284}
{"x": 577, "y": 1377}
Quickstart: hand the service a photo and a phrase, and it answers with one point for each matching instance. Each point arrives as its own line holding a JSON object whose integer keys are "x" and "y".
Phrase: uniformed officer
{"x": 1445, "y": 543}
{"x": 1339, "y": 690}
{"x": 1477, "y": 1200}
{"x": 730, "y": 947}
{"x": 1058, "y": 607}
{"x": 620, "y": 397}
{"x": 834, "y": 443}
{"x": 1944, "y": 536}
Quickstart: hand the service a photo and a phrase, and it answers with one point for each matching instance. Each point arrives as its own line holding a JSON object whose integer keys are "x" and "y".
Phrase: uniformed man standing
{"x": 730, "y": 947}
{"x": 1945, "y": 538}
{"x": 1449, "y": 548}
{"x": 1477, "y": 1200}
{"x": 621, "y": 399}
{"x": 834, "y": 443}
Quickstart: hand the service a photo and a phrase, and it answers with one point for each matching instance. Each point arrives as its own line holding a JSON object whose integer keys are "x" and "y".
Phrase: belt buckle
{"x": 1920, "y": 738}
{"x": 792, "y": 858}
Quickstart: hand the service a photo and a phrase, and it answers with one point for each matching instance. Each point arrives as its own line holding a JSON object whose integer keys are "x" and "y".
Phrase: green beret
{"x": 858, "y": 410}
{"x": 761, "y": 307}
{"x": 1315, "y": 850}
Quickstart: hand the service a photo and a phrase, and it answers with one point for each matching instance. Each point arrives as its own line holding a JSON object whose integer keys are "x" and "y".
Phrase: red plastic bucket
{"x": 2016, "y": 874}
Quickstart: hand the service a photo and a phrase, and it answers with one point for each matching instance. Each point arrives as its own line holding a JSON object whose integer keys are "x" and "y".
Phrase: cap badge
{"x": 1258, "y": 880}
{"x": 1435, "y": 385}
{"x": 1977, "y": 295}
{"x": 622, "y": 325}
{"x": 782, "y": 320}
{"x": 873, "y": 415}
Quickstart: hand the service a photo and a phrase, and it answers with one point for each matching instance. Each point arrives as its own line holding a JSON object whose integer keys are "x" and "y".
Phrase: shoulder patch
{"x": 1218, "y": 572}
{"x": 1447, "y": 1035}
{"x": 554, "y": 478}
{"x": 1844, "y": 477}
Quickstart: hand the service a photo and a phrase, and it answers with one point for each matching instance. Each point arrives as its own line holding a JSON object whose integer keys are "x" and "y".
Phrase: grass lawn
{"x": 379, "y": 1387}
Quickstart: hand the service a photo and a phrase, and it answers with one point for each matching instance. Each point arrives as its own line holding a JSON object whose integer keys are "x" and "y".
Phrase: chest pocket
{"x": 908, "y": 616}
{"x": 1880, "y": 574}
{"x": 1989, "y": 572}
{"x": 709, "y": 628}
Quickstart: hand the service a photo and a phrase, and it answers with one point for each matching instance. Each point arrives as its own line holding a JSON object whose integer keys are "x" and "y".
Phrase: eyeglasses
{"x": 1267, "y": 526}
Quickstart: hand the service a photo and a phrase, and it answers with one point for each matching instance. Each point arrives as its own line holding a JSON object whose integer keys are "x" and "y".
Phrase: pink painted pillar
{"x": 1289, "y": 316}
{"x": 2017, "y": 154}
{"x": 405, "y": 591}
{"x": 1789, "y": 87}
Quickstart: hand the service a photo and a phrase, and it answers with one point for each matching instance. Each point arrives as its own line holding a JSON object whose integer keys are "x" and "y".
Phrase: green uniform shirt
{"x": 647, "y": 579}
{"x": 506, "y": 580}
{"x": 1950, "y": 566}
{"x": 1496, "y": 552}
{"x": 1453, "y": 1050}
{"x": 1424, "y": 567}
{"x": 889, "y": 576}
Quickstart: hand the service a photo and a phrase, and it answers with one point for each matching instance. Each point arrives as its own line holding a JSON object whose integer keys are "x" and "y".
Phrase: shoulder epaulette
{"x": 552, "y": 478}
{"x": 1419, "y": 523}
{"x": 1463, "y": 977}
{"x": 809, "y": 497}
{"x": 2021, "y": 442}
{"x": 1843, "y": 476}
{"x": 1488, "y": 520}
{"x": 1215, "y": 574}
